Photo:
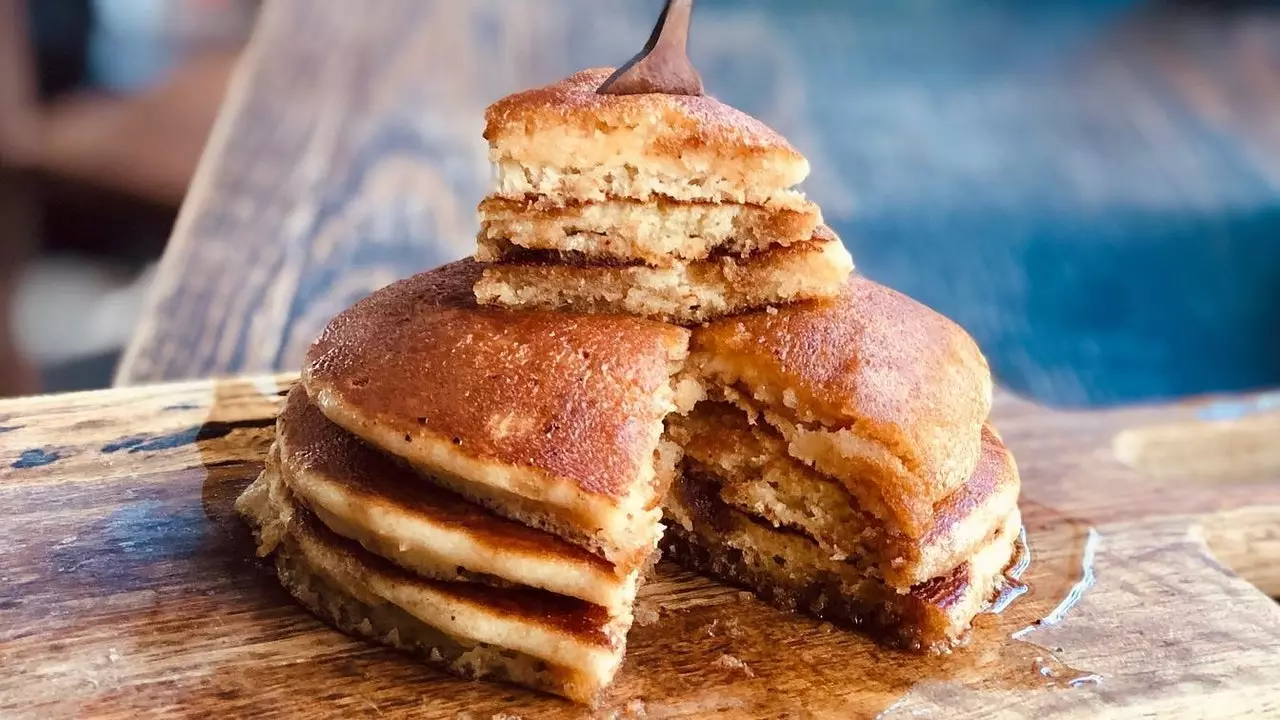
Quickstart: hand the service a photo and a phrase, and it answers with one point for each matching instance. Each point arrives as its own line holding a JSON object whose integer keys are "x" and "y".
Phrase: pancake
{"x": 790, "y": 570}
{"x": 553, "y": 420}
{"x": 683, "y": 293}
{"x": 567, "y": 143}
{"x": 384, "y": 505}
{"x": 531, "y": 637}
{"x": 658, "y": 233}
{"x": 753, "y": 473}
{"x": 871, "y": 388}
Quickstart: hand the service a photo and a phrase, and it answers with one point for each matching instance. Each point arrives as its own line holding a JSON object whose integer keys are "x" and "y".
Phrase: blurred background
{"x": 1092, "y": 188}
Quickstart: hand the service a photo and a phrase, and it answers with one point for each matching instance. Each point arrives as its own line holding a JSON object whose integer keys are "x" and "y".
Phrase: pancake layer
{"x": 565, "y": 142}
{"x": 871, "y": 388}
{"x": 792, "y": 571}
{"x": 752, "y": 472}
{"x": 683, "y": 293}
{"x": 550, "y": 419}
{"x": 659, "y": 234}
{"x": 394, "y": 512}
{"x": 528, "y": 636}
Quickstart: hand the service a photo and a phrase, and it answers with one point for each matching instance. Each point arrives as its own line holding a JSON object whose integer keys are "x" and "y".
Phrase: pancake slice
{"x": 791, "y": 571}
{"x": 683, "y": 293}
{"x": 870, "y": 388}
{"x": 565, "y": 142}
{"x": 531, "y": 637}
{"x": 752, "y": 472}
{"x": 553, "y": 420}
{"x": 366, "y": 496}
{"x": 627, "y": 231}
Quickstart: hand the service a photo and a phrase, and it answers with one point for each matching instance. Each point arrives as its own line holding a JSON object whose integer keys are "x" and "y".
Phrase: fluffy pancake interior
{"x": 683, "y": 293}
{"x": 658, "y": 234}
{"x": 561, "y": 631}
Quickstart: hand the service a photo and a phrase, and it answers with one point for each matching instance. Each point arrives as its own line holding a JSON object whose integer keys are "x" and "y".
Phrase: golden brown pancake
{"x": 683, "y": 293}
{"x": 532, "y": 637}
{"x": 658, "y": 233}
{"x": 369, "y": 497}
{"x": 566, "y": 142}
{"x": 553, "y": 420}
{"x": 872, "y": 388}
{"x": 753, "y": 473}
{"x": 790, "y": 570}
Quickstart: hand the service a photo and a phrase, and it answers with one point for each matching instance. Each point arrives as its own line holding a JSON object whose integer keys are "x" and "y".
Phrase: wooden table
{"x": 1090, "y": 188}
{"x": 128, "y": 587}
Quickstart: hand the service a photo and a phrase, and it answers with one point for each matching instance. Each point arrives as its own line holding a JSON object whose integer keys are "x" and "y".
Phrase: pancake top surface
{"x": 679, "y": 122}
{"x": 311, "y": 444}
{"x": 872, "y": 359}
{"x": 577, "y": 397}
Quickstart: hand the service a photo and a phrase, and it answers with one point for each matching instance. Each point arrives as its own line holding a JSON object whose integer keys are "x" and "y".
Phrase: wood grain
{"x": 128, "y": 588}
{"x": 1090, "y": 188}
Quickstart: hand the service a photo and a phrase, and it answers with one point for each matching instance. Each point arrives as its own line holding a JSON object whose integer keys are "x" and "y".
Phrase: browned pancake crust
{"x": 692, "y": 122}
{"x": 568, "y": 395}
{"x": 310, "y": 443}
{"x": 874, "y": 361}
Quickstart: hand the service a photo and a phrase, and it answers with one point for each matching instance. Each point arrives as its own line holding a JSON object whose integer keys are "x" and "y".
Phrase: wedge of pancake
{"x": 871, "y": 388}
{"x": 753, "y": 473}
{"x": 790, "y": 570}
{"x": 565, "y": 142}
{"x": 553, "y": 420}
{"x": 523, "y": 635}
{"x": 659, "y": 233}
{"x": 384, "y": 505}
{"x": 685, "y": 293}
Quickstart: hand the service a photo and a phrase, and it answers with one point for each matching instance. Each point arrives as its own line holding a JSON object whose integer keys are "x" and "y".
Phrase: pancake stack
{"x": 477, "y": 464}
{"x": 671, "y": 207}
{"x": 477, "y": 486}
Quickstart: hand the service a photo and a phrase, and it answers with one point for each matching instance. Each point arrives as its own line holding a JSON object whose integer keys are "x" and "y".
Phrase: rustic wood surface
{"x": 128, "y": 587}
{"x": 1090, "y": 188}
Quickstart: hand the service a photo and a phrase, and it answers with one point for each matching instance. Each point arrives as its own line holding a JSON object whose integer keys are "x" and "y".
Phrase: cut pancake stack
{"x": 671, "y": 207}
{"x": 843, "y": 465}
{"x": 478, "y": 486}
{"x": 478, "y": 461}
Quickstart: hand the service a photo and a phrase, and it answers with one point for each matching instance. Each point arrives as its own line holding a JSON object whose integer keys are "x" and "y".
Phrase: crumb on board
{"x": 730, "y": 662}
{"x": 744, "y": 596}
{"x": 723, "y": 628}
{"x": 645, "y": 615}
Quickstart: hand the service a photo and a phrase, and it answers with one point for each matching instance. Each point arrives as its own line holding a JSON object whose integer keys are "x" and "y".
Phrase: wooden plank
{"x": 127, "y": 586}
{"x": 1090, "y": 188}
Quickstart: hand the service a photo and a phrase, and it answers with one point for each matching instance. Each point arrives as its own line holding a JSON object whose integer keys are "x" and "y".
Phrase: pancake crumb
{"x": 645, "y": 615}
{"x": 730, "y": 662}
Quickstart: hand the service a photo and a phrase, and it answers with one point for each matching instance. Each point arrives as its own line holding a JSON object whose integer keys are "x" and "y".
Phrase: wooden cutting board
{"x": 127, "y": 587}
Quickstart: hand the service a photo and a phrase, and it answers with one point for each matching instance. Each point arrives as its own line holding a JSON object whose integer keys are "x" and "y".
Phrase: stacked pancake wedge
{"x": 672, "y": 207}
{"x": 479, "y": 486}
{"x": 843, "y": 465}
